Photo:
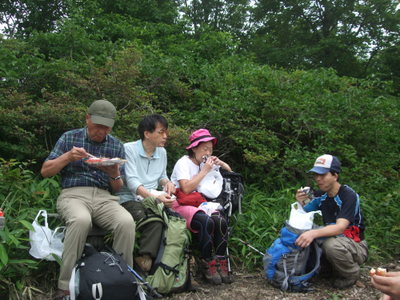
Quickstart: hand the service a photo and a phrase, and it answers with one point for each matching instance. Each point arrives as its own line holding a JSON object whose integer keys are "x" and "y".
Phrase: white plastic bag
{"x": 211, "y": 185}
{"x": 210, "y": 207}
{"x": 44, "y": 241}
{"x": 300, "y": 219}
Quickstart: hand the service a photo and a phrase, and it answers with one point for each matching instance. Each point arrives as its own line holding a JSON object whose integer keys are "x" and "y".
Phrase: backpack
{"x": 170, "y": 271}
{"x": 103, "y": 275}
{"x": 288, "y": 266}
{"x": 232, "y": 192}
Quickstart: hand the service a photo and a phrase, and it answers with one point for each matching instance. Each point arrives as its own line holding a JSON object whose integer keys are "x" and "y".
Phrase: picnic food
{"x": 104, "y": 161}
{"x": 93, "y": 160}
{"x": 378, "y": 271}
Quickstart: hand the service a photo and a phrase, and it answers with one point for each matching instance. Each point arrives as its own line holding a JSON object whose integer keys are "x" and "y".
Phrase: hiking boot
{"x": 343, "y": 283}
{"x": 223, "y": 270}
{"x": 144, "y": 262}
{"x": 62, "y": 295}
{"x": 210, "y": 271}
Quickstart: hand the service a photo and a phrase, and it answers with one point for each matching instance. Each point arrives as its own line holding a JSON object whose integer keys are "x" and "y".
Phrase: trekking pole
{"x": 150, "y": 288}
{"x": 251, "y": 247}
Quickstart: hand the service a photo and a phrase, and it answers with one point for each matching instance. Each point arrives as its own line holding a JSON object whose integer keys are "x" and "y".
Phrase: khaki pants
{"x": 150, "y": 233}
{"x": 79, "y": 206}
{"x": 345, "y": 255}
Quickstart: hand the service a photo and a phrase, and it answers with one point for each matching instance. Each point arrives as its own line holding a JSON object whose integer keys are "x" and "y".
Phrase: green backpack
{"x": 170, "y": 271}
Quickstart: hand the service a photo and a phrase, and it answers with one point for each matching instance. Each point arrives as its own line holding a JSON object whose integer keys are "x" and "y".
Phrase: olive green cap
{"x": 102, "y": 112}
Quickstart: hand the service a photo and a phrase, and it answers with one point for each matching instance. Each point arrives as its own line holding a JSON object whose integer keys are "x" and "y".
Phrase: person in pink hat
{"x": 211, "y": 232}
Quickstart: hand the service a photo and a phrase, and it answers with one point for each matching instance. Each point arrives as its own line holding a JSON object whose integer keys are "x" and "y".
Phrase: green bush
{"x": 22, "y": 194}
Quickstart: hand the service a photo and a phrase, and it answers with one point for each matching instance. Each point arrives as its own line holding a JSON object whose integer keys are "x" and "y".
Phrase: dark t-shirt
{"x": 346, "y": 205}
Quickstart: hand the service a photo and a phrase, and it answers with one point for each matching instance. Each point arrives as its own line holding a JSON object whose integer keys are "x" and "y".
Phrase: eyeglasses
{"x": 162, "y": 132}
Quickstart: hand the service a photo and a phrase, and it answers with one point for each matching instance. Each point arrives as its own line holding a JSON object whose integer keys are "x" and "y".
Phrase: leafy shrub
{"x": 22, "y": 194}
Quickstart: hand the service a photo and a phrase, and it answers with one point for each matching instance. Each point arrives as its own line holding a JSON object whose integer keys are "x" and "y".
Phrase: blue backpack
{"x": 288, "y": 266}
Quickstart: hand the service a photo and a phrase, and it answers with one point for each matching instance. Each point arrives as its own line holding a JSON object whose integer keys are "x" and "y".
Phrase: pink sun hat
{"x": 200, "y": 136}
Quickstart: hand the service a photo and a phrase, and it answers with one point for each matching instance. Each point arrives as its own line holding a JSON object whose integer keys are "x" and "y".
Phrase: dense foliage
{"x": 278, "y": 82}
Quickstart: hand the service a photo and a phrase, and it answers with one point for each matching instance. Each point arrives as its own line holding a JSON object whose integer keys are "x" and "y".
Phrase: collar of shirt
{"x": 156, "y": 153}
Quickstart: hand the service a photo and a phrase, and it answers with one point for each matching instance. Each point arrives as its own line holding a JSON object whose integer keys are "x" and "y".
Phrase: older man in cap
{"x": 86, "y": 190}
{"x": 343, "y": 244}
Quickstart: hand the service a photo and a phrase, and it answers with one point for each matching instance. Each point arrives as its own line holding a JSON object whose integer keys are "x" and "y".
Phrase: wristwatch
{"x": 116, "y": 178}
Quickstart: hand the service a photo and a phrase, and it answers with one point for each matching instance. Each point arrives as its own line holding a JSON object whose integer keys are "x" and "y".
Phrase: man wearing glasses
{"x": 145, "y": 172}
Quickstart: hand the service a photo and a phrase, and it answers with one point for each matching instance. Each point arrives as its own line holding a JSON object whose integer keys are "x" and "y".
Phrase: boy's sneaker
{"x": 344, "y": 283}
{"x": 210, "y": 271}
{"x": 223, "y": 270}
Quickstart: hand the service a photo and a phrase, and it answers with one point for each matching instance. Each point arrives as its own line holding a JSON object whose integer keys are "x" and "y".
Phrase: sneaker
{"x": 343, "y": 283}
{"x": 223, "y": 270}
{"x": 144, "y": 262}
{"x": 210, "y": 271}
{"x": 62, "y": 295}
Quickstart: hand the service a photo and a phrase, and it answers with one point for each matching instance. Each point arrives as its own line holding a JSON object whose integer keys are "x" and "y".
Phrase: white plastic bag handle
{"x": 60, "y": 228}
{"x": 44, "y": 214}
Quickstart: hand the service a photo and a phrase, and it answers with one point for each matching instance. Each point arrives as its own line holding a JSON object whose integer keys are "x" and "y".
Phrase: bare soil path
{"x": 254, "y": 286}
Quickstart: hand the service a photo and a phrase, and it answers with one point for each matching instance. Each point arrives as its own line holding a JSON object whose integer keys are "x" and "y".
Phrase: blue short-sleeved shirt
{"x": 78, "y": 173}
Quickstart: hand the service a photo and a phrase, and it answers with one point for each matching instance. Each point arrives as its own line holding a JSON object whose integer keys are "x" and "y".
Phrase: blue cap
{"x": 326, "y": 163}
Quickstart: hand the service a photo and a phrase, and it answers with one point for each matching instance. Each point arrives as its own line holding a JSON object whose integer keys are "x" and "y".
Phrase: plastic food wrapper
{"x": 157, "y": 193}
{"x": 210, "y": 207}
{"x": 103, "y": 161}
{"x": 300, "y": 219}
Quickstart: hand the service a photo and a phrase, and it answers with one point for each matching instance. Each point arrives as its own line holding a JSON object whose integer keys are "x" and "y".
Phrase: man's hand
{"x": 166, "y": 199}
{"x": 169, "y": 188}
{"x": 54, "y": 166}
{"x": 305, "y": 239}
{"x": 301, "y": 197}
{"x": 77, "y": 153}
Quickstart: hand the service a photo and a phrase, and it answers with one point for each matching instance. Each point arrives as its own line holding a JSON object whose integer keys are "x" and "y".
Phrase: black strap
{"x": 168, "y": 268}
{"x": 199, "y": 138}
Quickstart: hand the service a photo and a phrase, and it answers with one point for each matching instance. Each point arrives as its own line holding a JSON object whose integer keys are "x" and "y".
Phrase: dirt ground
{"x": 254, "y": 286}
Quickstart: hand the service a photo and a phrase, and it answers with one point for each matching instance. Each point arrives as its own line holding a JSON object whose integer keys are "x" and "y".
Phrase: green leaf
{"x": 3, "y": 255}
{"x": 28, "y": 225}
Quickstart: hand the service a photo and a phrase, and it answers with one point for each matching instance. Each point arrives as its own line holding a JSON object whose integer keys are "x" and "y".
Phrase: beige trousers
{"x": 345, "y": 255}
{"x": 79, "y": 207}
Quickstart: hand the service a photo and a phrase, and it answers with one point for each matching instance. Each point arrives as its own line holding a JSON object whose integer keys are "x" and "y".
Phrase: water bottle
{"x": 2, "y": 220}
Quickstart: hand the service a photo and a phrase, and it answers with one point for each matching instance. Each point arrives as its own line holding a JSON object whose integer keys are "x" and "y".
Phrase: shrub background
{"x": 271, "y": 122}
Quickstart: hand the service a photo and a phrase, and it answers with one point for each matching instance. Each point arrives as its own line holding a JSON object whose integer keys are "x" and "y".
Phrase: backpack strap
{"x": 297, "y": 280}
{"x": 285, "y": 282}
{"x": 97, "y": 291}
{"x": 160, "y": 253}
{"x": 149, "y": 219}
{"x": 168, "y": 268}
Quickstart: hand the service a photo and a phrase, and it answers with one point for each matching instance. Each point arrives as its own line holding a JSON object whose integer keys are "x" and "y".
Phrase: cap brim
{"x": 206, "y": 139}
{"x": 102, "y": 121}
{"x": 319, "y": 170}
